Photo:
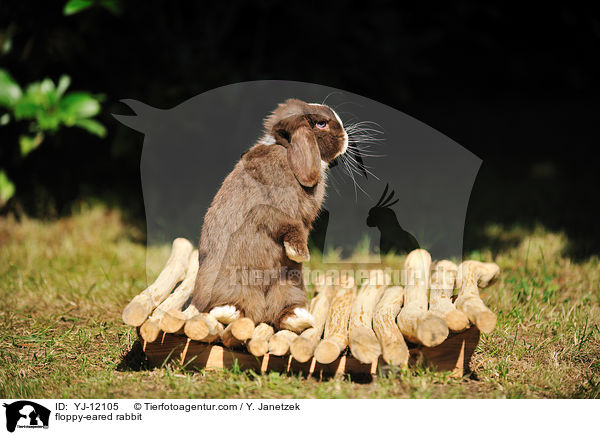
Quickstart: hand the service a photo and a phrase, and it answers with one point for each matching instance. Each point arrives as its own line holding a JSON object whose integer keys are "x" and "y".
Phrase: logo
{"x": 401, "y": 185}
{"x": 27, "y": 415}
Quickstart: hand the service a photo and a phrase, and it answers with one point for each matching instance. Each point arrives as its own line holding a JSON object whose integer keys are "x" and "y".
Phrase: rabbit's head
{"x": 312, "y": 133}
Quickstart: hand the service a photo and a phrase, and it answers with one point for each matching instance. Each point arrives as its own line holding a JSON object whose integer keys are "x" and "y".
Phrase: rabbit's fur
{"x": 254, "y": 237}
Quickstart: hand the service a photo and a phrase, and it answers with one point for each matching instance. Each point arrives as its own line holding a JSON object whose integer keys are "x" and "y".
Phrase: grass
{"x": 64, "y": 283}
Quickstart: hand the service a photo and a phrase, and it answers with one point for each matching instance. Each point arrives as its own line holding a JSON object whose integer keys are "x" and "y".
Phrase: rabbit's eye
{"x": 320, "y": 124}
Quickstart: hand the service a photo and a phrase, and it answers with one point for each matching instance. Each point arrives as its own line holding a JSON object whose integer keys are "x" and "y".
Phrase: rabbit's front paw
{"x": 297, "y": 322}
{"x": 296, "y": 253}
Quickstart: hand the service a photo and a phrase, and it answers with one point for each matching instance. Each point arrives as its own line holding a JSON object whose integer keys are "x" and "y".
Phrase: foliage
{"x": 7, "y": 188}
{"x": 47, "y": 106}
{"x": 76, "y": 6}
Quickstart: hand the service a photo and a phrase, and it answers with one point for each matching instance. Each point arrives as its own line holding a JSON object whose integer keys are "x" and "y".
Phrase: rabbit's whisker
{"x": 356, "y": 184}
{"x": 365, "y": 136}
{"x": 364, "y": 129}
{"x": 358, "y": 152}
{"x": 361, "y": 147}
{"x": 362, "y": 123}
{"x": 360, "y": 166}
{"x": 349, "y": 171}
{"x": 361, "y": 150}
{"x": 329, "y": 95}
{"x": 352, "y": 156}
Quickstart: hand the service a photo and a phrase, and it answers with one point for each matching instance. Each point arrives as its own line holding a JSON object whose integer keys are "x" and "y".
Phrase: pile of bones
{"x": 377, "y": 319}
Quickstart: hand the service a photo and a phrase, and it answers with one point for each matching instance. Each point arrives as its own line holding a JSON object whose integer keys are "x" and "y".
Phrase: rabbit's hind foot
{"x": 299, "y": 320}
{"x": 225, "y": 314}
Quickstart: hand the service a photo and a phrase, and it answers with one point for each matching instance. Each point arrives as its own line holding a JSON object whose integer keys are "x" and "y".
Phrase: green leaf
{"x": 75, "y": 6}
{"x": 80, "y": 105}
{"x": 63, "y": 83}
{"x": 34, "y": 88}
{"x": 4, "y": 119}
{"x": 92, "y": 126}
{"x": 51, "y": 95}
{"x": 7, "y": 188}
{"x": 10, "y": 91}
{"x": 28, "y": 144}
{"x": 35, "y": 94}
{"x": 47, "y": 86}
{"x": 25, "y": 109}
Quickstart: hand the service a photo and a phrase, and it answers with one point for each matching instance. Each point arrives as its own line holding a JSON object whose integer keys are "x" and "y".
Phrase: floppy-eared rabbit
{"x": 254, "y": 237}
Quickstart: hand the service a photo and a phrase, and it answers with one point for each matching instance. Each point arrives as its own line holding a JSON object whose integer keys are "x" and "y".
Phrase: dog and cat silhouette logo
{"x": 25, "y": 414}
{"x": 401, "y": 184}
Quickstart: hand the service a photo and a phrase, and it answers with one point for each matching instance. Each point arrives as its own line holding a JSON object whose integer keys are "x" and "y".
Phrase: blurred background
{"x": 516, "y": 85}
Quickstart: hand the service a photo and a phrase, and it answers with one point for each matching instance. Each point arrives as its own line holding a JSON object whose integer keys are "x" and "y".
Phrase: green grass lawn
{"x": 63, "y": 285}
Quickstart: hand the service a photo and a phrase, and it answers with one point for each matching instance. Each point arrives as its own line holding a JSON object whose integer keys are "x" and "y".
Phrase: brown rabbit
{"x": 254, "y": 237}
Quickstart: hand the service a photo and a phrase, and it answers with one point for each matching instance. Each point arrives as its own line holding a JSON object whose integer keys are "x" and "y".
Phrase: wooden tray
{"x": 453, "y": 355}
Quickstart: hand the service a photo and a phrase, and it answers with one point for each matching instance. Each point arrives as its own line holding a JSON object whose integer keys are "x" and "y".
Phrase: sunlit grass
{"x": 64, "y": 283}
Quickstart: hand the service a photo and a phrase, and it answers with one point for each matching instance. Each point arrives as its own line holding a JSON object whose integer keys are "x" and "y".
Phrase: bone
{"x": 140, "y": 307}
{"x": 469, "y": 275}
{"x": 303, "y": 346}
{"x": 336, "y": 328}
{"x": 394, "y": 349}
{"x": 174, "y": 319}
{"x": 237, "y": 332}
{"x": 259, "y": 342}
{"x": 363, "y": 342}
{"x": 487, "y": 273}
{"x": 326, "y": 284}
{"x": 151, "y": 328}
{"x": 279, "y": 343}
{"x": 203, "y": 327}
{"x": 440, "y": 296}
{"x": 415, "y": 322}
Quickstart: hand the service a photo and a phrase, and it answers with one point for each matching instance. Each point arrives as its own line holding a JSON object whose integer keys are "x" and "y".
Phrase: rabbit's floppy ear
{"x": 303, "y": 152}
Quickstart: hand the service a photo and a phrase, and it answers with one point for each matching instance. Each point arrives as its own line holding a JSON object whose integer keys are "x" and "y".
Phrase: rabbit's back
{"x": 261, "y": 177}
{"x": 234, "y": 239}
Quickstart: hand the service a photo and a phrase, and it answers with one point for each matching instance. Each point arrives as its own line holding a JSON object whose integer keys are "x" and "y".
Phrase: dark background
{"x": 515, "y": 84}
